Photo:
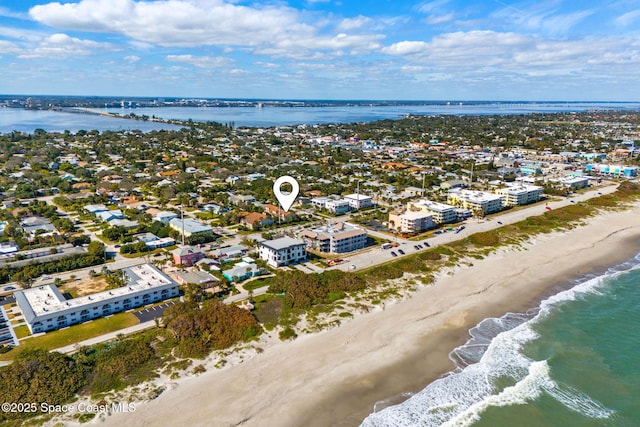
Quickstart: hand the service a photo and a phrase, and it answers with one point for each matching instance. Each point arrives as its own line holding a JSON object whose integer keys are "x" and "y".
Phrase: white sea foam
{"x": 491, "y": 358}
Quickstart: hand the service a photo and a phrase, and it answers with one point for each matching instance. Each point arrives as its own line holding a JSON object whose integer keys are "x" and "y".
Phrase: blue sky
{"x": 324, "y": 49}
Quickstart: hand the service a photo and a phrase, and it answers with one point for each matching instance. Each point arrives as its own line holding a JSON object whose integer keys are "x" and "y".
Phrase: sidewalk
{"x": 106, "y": 337}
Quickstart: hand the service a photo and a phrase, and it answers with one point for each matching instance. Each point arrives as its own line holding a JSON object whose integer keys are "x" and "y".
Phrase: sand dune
{"x": 335, "y": 377}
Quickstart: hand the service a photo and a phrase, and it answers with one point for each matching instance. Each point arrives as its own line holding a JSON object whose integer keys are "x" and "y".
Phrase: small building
{"x": 189, "y": 226}
{"x": 239, "y": 199}
{"x": 196, "y": 277}
{"x": 187, "y": 255}
{"x": 154, "y": 242}
{"x": 241, "y": 271}
{"x": 359, "y": 201}
{"x": 254, "y": 220}
{"x": 94, "y": 209}
{"x": 574, "y": 182}
{"x": 229, "y": 253}
{"x": 109, "y": 215}
{"x": 37, "y": 225}
{"x": 338, "y": 207}
{"x": 126, "y": 223}
{"x": 283, "y": 251}
{"x": 165, "y": 216}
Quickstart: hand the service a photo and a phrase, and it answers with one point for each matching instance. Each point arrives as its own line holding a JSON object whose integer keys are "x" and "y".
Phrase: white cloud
{"x": 267, "y": 64}
{"x": 132, "y": 58}
{"x": 495, "y": 53}
{"x": 439, "y": 19}
{"x": 354, "y": 23}
{"x": 200, "y": 23}
{"x": 628, "y": 18}
{"x": 430, "y": 6}
{"x": 7, "y": 13}
{"x": 61, "y": 46}
{"x": 406, "y": 48}
{"x": 201, "y": 61}
{"x": 541, "y": 16}
{"x": 8, "y": 47}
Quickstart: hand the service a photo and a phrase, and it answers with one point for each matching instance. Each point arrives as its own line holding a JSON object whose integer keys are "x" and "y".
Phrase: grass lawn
{"x": 21, "y": 331}
{"x": 256, "y": 284}
{"x": 76, "y": 333}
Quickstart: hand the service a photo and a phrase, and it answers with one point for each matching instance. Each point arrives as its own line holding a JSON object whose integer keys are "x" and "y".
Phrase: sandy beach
{"x": 334, "y": 378}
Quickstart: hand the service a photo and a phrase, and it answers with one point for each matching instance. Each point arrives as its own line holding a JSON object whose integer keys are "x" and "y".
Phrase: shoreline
{"x": 335, "y": 377}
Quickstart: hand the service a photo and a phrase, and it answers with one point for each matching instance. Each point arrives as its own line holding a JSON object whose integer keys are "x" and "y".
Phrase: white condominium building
{"x": 283, "y": 251}
{"x": 336, "y": 238}
{"x": 411, "y": 221}
{"x": 520, "y": 194}
{"x": 475, "y": 201}
{"x": 359, "y": 201}
{"x": 45, "y": 308}
{"x": 442, "y": 213}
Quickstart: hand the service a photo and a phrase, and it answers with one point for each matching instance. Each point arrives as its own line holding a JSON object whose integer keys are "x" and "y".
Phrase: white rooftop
{"x": 48, "y": 299}
{"x": 433, "y": 206}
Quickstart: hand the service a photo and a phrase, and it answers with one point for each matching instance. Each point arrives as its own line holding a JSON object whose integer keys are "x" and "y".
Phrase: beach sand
{"x": 334, "y": 378}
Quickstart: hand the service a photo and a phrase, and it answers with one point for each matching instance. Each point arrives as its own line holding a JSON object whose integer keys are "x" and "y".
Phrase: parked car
{"x": 393, "y": 253}
{"x": 401, "y": 251}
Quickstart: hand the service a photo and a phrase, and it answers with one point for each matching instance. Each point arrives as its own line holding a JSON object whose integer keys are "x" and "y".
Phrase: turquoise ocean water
{"x": 573, "y": 361}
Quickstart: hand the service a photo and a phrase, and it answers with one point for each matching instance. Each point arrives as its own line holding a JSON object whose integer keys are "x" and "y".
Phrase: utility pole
{"x": 182, "y": 216}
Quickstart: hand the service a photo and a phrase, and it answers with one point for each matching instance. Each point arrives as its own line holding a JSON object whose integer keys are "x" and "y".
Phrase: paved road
{"x": 378, "y": 255}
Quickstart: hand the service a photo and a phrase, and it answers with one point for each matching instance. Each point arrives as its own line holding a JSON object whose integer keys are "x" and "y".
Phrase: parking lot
{"x": 150, "y": 313}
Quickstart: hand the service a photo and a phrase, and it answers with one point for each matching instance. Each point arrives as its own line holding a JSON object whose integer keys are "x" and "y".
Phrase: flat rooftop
{"x": 282, "y": 243}
{"x": 48, "y": 299}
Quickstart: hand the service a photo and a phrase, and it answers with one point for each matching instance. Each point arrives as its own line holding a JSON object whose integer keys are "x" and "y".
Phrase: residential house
{"x": 241, "y": 271}
{"x": 94, "y": 209}
{"x": 190, "y": 226}
{"x": 278, "y": 212}
{"x": 154, "y": 242}
{"x": 165, "y": 217}
{"x": 229, "y": 253}
{"x": 197, "y": 277}
{"x": 109, "y": 215}
{"x": 37, "y": 225}
{"x": 254, "y": 220}
{"x": 187, "y": 255}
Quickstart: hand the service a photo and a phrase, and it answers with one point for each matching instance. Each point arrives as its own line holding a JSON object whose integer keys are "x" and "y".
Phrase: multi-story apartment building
{"x": 476, "y": 201}
{"x": 520, "y": 194}
{"x": 411, "y": 221}
{"x": 336, "y": 238}
{"x": 441, "y": 212}
{"x": 45, "y": 308}
{"x": 283, "y": 251}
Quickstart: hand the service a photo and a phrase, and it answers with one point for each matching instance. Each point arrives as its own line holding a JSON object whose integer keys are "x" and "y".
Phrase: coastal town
{"x": 95, "y": 225}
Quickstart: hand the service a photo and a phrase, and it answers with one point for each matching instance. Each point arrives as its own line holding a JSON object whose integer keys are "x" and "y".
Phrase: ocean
{"x": 572, "y": 361}
{"x": 22, "y": 120}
